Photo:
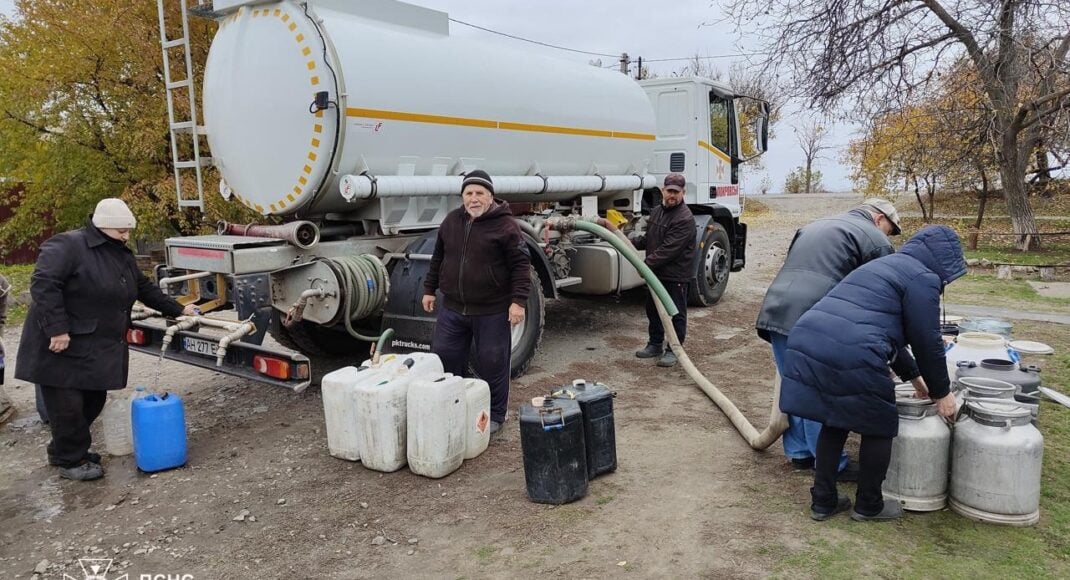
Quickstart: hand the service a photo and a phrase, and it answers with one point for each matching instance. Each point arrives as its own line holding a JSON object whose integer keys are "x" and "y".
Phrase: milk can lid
{"x": 998, "y": 410}
{"x": 1031, "y": 347}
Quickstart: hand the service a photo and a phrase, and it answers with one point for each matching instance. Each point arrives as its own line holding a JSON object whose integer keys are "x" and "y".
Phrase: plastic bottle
{"x": 118, "y": 438}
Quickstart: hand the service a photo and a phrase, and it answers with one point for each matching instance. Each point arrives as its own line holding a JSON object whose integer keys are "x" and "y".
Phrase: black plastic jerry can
{"x": 596, "y": 406}
{"x": 555, "y": 463}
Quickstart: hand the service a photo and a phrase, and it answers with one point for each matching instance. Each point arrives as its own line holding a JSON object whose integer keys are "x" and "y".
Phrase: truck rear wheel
{"x": 712, "y": 270}
{"x": 526, "y": 336}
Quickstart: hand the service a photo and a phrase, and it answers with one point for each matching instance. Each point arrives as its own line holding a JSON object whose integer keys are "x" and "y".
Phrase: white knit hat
{"x": 112, "y": 213}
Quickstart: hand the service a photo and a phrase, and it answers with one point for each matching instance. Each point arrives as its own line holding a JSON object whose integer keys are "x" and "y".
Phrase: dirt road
{"x": 689, "y": 498}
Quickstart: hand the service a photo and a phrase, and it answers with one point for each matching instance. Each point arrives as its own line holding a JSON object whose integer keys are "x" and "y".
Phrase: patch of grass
{"x": 19, "y": 277}
{"x": 753, "y": 207}
{"x": 604, "y": 500}
{"x": 570, "y": 515}
{"x": 484, "y": 553}
{"x": 1049, "y": 254}
{"x": 945, "y": 545}
{"x": 987, "y": 290}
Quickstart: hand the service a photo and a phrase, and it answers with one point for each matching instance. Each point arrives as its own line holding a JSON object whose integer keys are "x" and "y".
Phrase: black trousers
{"x": 70, "y": 413}
{"x": 490, "y": 334}
{"x": 873, "y": 457}
{"x": 678, "y": 292}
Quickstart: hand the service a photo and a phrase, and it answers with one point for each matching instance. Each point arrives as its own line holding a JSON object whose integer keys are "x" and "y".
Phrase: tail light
{"x": 272, "y": 367}
{"x": 136, "y": 336}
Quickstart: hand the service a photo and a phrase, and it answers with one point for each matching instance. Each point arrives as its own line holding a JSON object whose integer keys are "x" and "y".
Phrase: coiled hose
{"x": 366, "y": 283}
{"x": 778, "y": 421}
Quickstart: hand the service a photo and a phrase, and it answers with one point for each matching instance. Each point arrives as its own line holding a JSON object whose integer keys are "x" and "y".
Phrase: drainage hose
{"x": 778, "y": 422}
{"x": 365, "y": 282}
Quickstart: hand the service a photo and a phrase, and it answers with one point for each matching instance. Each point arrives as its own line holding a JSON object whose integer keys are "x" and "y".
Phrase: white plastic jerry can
{"x": 382, "y": 420}
{"x": 118, "y": 436}
{"x": 437, "y": 411}
{"x": 419, "y": 364}
{"x": 477, "y": 417}
{"x": 340, "y": 409}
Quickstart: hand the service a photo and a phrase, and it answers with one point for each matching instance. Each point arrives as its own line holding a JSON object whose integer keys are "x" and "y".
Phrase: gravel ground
{"x": 689, "y": 498}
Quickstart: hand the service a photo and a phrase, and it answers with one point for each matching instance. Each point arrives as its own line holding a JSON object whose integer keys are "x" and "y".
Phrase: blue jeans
{"x": 800, "y": 440}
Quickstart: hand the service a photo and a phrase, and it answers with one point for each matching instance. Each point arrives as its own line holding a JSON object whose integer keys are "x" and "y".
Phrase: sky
{"x": 640, "y": 28}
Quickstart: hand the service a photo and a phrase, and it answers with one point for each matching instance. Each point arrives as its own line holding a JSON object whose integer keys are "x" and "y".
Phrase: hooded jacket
{"x": 481, "y": 265}
{"x": 839, "y": 352}
{"x": 83, "y": 285}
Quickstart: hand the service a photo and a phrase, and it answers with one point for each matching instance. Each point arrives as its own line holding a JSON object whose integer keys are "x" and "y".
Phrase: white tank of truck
{"x": 401, "y": 97}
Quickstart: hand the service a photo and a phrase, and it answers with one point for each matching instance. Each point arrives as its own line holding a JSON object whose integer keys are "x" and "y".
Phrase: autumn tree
{"x": 83, "y": 116}
{"x": 869, "y": 55}
{"x": 812, "y": 140}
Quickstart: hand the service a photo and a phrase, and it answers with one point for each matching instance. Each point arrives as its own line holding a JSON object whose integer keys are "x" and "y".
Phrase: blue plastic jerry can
{"x": 159, "y": 428}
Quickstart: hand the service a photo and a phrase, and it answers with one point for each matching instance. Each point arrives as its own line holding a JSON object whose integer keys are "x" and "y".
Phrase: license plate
{"x": 199, "y": 346}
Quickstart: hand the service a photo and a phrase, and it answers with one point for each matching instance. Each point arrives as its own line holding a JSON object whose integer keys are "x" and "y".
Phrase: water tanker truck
{"x": 354, "y": 122}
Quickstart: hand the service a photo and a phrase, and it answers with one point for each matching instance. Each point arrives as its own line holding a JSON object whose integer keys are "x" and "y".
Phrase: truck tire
{"x": 526, "y": 336}
{"x": 713, "y": 267}
{"x": 316, "y": 341}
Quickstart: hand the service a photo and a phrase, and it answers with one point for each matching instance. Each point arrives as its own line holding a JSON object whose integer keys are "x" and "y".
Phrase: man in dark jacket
{"x": 820, "y": 255}
{"x": 74, "y": 339}
{"x": 836, "y": 370}
{"x": 670, "y": 252}
{"x": 481, "y": 266}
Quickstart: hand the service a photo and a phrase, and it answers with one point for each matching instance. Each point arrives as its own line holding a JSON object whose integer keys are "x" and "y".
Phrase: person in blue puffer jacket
{"x": 839, "y": 354}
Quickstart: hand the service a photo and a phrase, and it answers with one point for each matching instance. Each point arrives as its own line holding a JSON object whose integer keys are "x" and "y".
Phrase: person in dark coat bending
{"x": 74, "y": 339}
{"x": 482, "y": 267}
{"x": 670, "y": 253}
{"x": 837, "y": 367}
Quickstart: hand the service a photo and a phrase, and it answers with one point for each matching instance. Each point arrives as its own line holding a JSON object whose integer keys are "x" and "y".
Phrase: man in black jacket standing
{"x": 482, "y": 267}
{"x": 670, "y": 252}
{"x": 821, "y": 254}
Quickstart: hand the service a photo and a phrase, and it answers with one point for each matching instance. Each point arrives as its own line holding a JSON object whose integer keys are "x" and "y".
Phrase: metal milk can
{"x": 917, "y": 473}
{"x": 995, "y": 464}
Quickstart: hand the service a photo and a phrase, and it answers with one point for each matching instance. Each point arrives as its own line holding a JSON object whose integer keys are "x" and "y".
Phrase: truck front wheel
{"x": 711, "y": 271}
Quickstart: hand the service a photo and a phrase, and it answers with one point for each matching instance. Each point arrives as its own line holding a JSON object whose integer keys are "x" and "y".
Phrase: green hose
{"x": 365, "y": 282}
{"x": 633, "y": 258}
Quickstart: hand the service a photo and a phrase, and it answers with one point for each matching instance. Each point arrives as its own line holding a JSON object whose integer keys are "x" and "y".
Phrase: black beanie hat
{"x": 477, "y": 177}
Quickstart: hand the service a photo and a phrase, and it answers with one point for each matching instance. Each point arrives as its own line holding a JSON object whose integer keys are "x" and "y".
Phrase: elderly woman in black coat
{"x": 74, "y": 339}
{"x": 839, "y": 353}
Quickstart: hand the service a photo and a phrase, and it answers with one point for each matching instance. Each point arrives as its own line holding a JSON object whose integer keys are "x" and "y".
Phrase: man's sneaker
{"x": 849, "y": 473}
{"x": 891, "y": 511}
{"x": 668, "y": 359}
{"x": 495, "y": 426}
{"x": 843, "y": 503}
{"x": 801, "y": 464}
{"x": 84, "y": 472}
{"x": 650, "y": 351}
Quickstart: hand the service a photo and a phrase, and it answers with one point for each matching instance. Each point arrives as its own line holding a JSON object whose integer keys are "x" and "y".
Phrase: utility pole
{"x": 624, "y": 61}
{"x": 639, "y": 70}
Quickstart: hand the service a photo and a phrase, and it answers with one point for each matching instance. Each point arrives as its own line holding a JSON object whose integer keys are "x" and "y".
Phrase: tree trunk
{"x": 1012, "y": 175}
{"x": 809, "y": 163}
{"x": 1043, "y": 176}
{"x": 921, "y": 204}
{"x": 980, "y": 210}
{"x": 931, "y": 188}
